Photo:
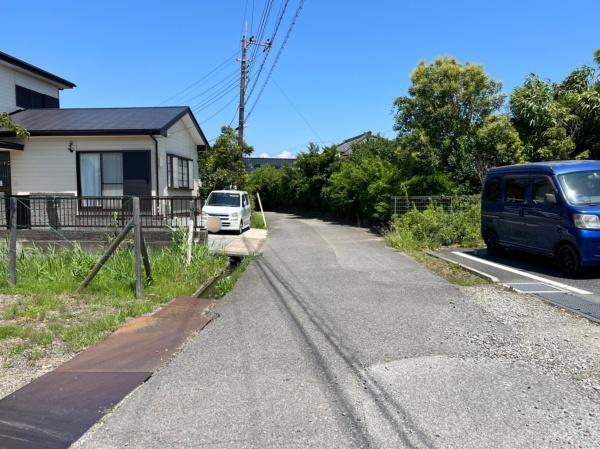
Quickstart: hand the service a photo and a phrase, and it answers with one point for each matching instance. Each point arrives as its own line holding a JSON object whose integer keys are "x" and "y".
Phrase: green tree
{"x": 312, "y": 170}
{"x": 268, "y": 181}
{"x": 439, "y": 123}
{"x": 222, "y": 167}
{"x": 362, "y": 188}
{"x": 559, "y": 120}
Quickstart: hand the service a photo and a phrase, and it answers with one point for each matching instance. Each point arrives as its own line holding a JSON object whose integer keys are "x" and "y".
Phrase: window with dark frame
{"x": 492, "y": 191}
{"x": 100, "y": 175}
{"x": 30, "y": 99}
{"x": 515, "y": 190}
{"x": 541, "y": 185}
{"x": 178, "y": 172}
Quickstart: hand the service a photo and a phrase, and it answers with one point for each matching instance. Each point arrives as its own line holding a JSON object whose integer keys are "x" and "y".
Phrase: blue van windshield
{"x": 581, "y": 187}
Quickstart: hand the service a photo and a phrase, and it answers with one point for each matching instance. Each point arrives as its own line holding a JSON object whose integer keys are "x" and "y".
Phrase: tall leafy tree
{"x": 449, "y": 109}
{"x": 559, "y": 120}
{"x": 223, "y": 167}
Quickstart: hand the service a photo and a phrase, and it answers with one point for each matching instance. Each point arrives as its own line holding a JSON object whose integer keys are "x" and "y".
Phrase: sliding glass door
{"x": 114, "y": 174}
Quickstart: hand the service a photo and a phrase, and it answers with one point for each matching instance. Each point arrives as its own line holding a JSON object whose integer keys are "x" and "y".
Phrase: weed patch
{"x": 435, "y": 227}
{"x": 258, "y": 222}
{"x": 48, "y": 309}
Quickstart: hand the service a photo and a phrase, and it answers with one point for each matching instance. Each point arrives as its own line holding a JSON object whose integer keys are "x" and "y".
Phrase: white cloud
{"x": 264, "y": 155}
{"x": 285, "y": 154}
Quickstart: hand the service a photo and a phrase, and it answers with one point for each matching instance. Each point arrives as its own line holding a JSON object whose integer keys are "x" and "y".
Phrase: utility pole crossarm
{"x": 246, "y": 42}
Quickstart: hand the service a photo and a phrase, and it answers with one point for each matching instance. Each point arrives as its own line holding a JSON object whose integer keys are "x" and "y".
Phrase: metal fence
{"x": 403, "y": 204}
{"x": 77, "y": 212}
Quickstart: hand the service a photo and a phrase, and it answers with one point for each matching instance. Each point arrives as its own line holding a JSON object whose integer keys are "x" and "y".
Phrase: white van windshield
{"x": 581, "y": 187}
{"x": 223, "y": 199}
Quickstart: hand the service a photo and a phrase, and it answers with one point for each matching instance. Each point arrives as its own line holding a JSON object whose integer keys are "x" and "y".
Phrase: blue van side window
{"x": 492, "y": 191}
{"x": 541, "y": 185}
{"x": 515, "y": 190}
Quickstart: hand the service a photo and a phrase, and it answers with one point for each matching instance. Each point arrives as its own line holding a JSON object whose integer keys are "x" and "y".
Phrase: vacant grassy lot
{"x": 43, "y": 314}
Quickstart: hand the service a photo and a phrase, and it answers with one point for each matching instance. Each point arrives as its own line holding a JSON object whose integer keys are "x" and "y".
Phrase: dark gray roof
{"x": 33, "y": 69}
{"x": 100, "y": 121}
{"x": 346, "y": 146}
{"x": 278, "y": 162}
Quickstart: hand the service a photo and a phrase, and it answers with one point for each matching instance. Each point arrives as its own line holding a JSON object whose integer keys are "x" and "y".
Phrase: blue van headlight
{"x": 586, "y": 221}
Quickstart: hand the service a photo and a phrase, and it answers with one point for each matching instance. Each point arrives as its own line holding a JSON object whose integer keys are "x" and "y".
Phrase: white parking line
{"x": 524, "y": 273}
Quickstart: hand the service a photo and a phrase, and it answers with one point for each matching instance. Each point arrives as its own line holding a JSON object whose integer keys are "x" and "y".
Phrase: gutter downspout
{"x": 155, "y": 162}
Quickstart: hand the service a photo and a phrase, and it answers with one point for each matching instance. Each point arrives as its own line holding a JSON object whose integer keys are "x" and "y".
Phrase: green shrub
{"x": 435, "y": 227}
{"x": 436, "y": 184}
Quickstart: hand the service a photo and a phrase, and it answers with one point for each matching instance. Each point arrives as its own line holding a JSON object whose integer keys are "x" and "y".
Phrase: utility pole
{"x": 243, "y": 78}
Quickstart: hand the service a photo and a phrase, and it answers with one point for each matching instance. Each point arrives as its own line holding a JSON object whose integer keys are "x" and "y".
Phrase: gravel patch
{"x": 524, "y": 329}
{"x": 18, "y": 371}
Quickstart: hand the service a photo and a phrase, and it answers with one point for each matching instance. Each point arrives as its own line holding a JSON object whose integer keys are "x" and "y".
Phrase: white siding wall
{"x": 180, "y": 143}
{"x": 47, "y": 166}
{"x": 10, "y": 77}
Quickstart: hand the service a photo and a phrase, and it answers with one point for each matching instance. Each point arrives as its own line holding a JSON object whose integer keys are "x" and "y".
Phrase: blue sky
{"x": 343, "y": 65}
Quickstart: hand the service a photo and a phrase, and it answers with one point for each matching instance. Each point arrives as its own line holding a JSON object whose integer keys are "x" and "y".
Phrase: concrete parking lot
{"x": 536, "y": 275}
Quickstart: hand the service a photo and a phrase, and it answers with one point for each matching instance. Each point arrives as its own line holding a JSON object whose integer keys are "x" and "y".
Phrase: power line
{"x": 282, "y": 10}
{"x": 283, "y": 44}
{"x": 215, "y": 98}
{"x": 289, "y": 100}
{"x": 205, "y": 76}
{"x": 227, "y": 79}
{"x": 234, "y": 98}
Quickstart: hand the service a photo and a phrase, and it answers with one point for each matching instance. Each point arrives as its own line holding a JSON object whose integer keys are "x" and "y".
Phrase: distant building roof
{"x": 35, "y": 70}
{"x": 345, "y": 148}
{"x": 100, "y": 121}
{"x": 253, "y": 163}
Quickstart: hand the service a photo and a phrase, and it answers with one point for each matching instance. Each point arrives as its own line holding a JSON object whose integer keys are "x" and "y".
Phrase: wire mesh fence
{"x": 76, "y": 212}
{"x": 402, "y": 204}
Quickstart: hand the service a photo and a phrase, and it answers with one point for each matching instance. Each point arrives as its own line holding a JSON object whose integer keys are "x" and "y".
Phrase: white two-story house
{"x": 93, "y": 152}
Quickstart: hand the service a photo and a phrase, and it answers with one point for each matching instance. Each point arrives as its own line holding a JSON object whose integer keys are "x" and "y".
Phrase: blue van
{"x": 549, "y": 208}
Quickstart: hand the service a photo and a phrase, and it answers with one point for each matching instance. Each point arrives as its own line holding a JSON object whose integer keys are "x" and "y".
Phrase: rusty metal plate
{"x": 145, "y": 343}
{"x": 53, "y": 411}
{"x": 184, "y": 306}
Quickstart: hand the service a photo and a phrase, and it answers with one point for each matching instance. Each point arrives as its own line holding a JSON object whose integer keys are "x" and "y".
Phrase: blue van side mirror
{"x": 550, "y": 199}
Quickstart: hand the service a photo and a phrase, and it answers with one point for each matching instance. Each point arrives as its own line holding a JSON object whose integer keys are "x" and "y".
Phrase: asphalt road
{"x": 332, "y": 340}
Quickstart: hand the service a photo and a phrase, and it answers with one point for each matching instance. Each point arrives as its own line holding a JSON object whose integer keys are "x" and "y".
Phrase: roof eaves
{"x": 11, "y": 145}
{"x": 86, "y": 132}
{"x": 36, "y": 70}
{"x": 187, "y": 110}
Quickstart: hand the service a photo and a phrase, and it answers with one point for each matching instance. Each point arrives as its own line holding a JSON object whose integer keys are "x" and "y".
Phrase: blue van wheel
{"x": 567, "y": 260}
{"x": 493, "y": 244}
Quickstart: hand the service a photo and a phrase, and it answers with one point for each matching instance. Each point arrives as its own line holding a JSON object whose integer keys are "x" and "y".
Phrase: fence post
{"x": 12, "y": 248}
{"x": 137, "y": 227}
{"x": 191, "y": 229}
{"x": 261, "y": 209}
{"x": 145, "y": 258}
{"x": 111, "y": 249}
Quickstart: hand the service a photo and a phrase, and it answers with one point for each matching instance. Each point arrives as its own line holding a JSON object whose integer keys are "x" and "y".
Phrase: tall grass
{"x": 258, "y": 222}
{"x": 435, "y": 227}
{"x": 48, "y": 306}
